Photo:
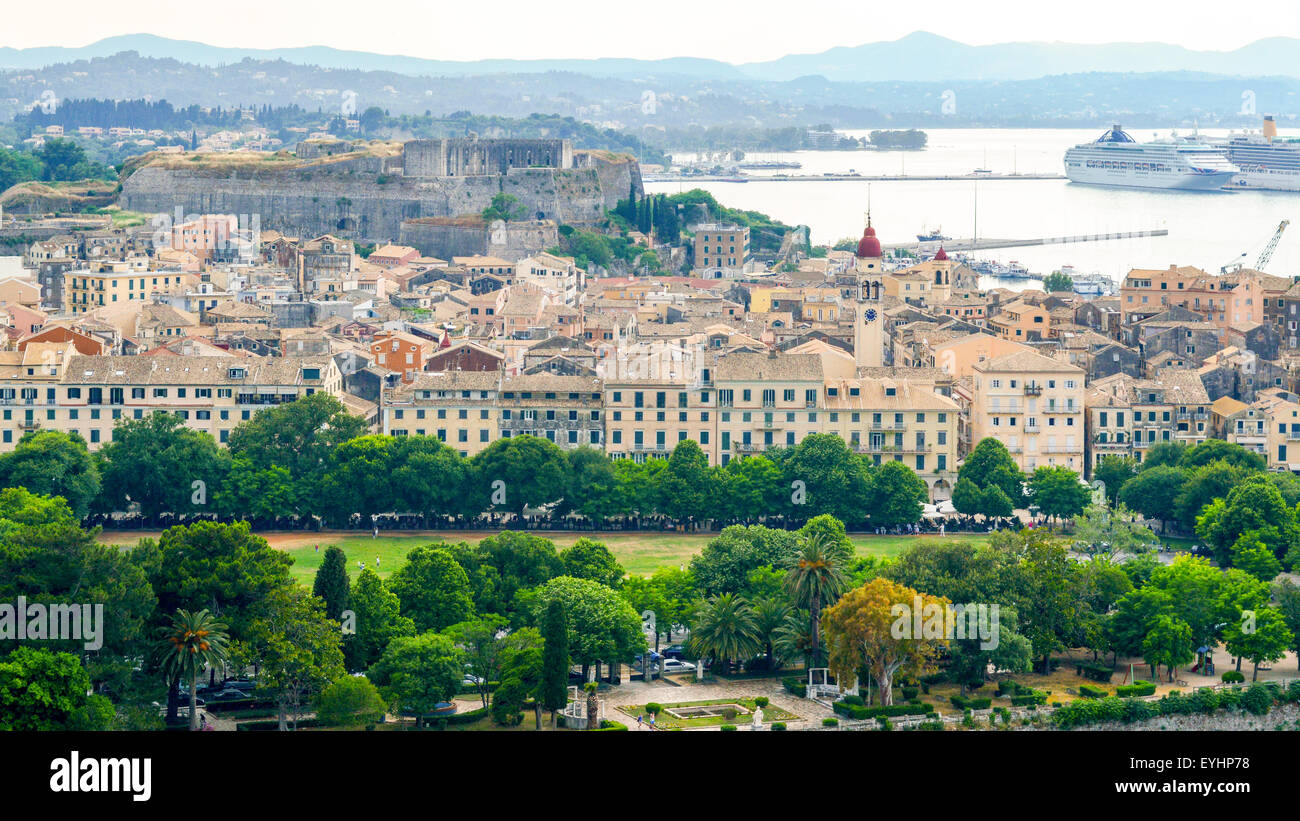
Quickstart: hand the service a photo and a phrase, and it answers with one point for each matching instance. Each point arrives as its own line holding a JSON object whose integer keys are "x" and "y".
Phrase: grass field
{"x": 640, "y": 553}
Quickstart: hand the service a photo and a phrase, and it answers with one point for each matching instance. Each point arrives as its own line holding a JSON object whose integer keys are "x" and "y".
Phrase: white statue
{"x": 758, "y": 718}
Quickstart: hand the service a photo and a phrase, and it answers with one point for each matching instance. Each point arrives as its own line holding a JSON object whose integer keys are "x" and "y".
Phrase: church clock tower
{"x": 869, "y": 320}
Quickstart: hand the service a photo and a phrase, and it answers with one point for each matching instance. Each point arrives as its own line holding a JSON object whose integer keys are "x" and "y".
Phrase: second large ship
{"x": 1266, "y": 160}
{"x": 1117, "y": 159}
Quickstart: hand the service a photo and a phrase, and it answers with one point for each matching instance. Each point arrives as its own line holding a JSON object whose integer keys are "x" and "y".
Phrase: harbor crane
{"x": 1264, "y": 256}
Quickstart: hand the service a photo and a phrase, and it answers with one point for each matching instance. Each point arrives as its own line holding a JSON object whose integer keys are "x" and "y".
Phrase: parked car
{"x": 677, "y": 666}
{"x": 676, "y": 651}
{"x": 184, "y": 703}
{"x": 229, "y": 694}
{"x": 470, "y": 680}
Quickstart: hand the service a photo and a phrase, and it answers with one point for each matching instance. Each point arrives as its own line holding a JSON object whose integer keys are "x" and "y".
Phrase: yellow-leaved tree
{"x": 873, "y": 626}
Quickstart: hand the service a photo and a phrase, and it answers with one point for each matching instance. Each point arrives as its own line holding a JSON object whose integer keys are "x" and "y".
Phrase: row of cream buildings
{"x": 737, "y": 404}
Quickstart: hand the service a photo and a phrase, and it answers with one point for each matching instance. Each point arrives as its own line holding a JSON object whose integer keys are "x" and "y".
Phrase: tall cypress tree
{"x": 332, "y": 583}
{"x": 554, "y": 690}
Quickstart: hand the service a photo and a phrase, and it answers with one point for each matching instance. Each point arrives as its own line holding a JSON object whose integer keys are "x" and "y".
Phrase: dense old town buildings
{"x": 904, "y": 359}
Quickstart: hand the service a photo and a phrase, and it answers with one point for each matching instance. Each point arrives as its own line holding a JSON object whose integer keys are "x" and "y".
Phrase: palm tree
{"x": 815, "y": 577}
{"x": 192, "y": 642}
{"x": 793, "y": 638}
{"x": 769, "y": 616}
{"x": 593, "y": 705}
{"x": 724, "y": 629}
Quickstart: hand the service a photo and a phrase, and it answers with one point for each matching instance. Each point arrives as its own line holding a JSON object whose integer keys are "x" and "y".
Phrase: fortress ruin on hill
{"x": 364, "y": 191}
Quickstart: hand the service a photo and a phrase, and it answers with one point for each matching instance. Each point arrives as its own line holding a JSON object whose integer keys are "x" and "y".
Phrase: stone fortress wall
{"x": 365, "y": 195}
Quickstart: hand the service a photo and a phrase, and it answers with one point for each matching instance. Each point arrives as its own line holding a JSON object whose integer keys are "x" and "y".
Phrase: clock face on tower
{"x": 869, "y": 315}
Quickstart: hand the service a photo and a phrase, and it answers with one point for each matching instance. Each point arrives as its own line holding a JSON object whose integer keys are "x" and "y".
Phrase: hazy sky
{"x": 731, "y": 31}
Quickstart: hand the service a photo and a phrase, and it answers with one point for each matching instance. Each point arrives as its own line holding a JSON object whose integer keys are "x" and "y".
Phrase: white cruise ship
{"x": 1115, "y": 158}
{"x": 1265, "y": 159}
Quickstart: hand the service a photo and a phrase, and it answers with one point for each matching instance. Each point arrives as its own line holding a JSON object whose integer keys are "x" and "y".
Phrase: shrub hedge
{"x": 1028, "y": 697}
{"x": 1257, "y": 700}
{"x": 1137, "y": 688}
{"x": 795, "y": 686}
{"x": 271, "y": 726}
{"x": 964, "y": 703}
{"x": 860, "y": 712}
{"x": 1096, "y": 672}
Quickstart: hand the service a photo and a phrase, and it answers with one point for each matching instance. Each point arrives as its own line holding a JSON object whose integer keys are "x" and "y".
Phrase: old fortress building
{"x": 364, "y": 191}
{"x": 462, "y": 157}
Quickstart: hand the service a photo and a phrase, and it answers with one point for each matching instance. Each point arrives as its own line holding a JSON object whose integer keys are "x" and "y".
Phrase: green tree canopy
{"x": 588, "y": 559}
{"x": 161, "y": 465}
{"x": 433, "y": 588}
{"x": 1203, "y": 485}
{"x": 505, "y": 207}
{"x": 898, "y": 495}
{"x": 1154, "y": 492}
{"x": 298, "y": 650}
{"x": 602, "y": 625}
{"x": 331, "y": 584}
{"x": 1113, "y": 471}
{"x": 1057, "y": 492}
{"x": 1057, "y": 281}
{"x": 416, "y": 673}
{"x": 1254, "y": 504}
{"x": 44, "y": 690}
{"x": 52, "y": 463}
{"x": 379, "y": 620}
{"x": 1163, "y": 454}
{"x": 835, "y": 479}
{"x": 532, "y": 472}
{"x": 685, "y": 486}
{"x": 990, "y": 463}
{"x": 221, "y": 567}
{"x": 1220, "y": 450}
{"x": 723, "y": 566}
{"x": 299, "y": 436}
{"x": 553, "y": 693}
{"x": 350, "y": 701}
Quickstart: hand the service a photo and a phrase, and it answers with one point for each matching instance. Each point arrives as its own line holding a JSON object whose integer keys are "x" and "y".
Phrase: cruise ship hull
{"x": 1170, "y": 180}
{"x": 1268, "y": 180}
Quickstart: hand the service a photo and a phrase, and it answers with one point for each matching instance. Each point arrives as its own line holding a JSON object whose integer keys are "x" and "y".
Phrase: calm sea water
{"x": 1208, "y": 230}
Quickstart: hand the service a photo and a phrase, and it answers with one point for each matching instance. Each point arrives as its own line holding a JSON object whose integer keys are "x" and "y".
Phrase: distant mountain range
{"x": 919, "y": 56}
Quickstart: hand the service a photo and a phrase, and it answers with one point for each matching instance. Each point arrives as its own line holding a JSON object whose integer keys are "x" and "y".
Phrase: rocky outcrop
{"x": 58, "y": 197}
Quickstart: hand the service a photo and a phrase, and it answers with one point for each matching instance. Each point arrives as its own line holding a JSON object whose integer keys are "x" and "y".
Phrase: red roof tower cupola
{"x": 869, "y": 246}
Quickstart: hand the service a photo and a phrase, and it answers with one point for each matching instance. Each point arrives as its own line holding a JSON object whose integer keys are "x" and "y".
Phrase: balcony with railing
{"x": 1110, "y": 444}
{"x": 889, "y": 426}
{"x": 1061, "y": 409}
{"x": 1033, "y": 390}
{"x": 892, "y": 448}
